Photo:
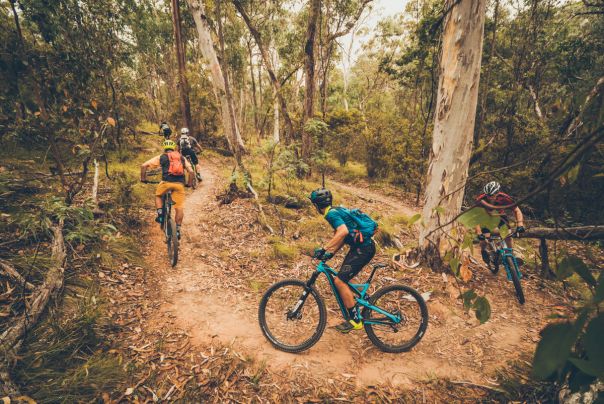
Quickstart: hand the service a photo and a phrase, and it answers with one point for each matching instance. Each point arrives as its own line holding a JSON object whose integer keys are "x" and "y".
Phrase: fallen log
{"x": 583, "y": 233}
{"x": 12, "y": 336}
{"x": 12, "y": 273}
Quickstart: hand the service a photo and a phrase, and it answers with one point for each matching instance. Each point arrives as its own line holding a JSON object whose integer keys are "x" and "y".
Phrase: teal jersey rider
{"x": 337, "y": 216}
{"x": 356, "y": 229}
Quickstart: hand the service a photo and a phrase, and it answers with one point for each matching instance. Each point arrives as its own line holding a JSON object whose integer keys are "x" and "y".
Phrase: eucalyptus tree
{"x": 459, "y": 77}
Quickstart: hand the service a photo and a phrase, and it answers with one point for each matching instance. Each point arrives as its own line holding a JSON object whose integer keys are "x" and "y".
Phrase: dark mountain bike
{"x": 500, "y": 253}
{"x": 293, "y": 317}
{"x": 195, "y": 181}
{"x": 168, "y": 226}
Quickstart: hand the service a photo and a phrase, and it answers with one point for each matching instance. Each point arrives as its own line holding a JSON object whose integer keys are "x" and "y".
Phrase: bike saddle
{"x": 379, "y": 265}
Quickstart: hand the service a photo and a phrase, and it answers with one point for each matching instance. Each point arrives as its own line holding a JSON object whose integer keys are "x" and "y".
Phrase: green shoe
{"x": 349, "y": 325}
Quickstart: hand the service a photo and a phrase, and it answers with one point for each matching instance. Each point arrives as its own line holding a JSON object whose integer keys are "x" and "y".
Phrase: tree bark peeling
{"x": 454, "y": 120}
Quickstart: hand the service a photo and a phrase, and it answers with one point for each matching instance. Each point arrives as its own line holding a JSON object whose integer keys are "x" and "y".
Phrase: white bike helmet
{"x": 492, "y": 188}
{"x": 184, "y": 131}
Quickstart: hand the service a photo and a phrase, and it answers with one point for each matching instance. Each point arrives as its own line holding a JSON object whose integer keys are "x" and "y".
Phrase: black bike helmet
{"x": 321, "y": 197}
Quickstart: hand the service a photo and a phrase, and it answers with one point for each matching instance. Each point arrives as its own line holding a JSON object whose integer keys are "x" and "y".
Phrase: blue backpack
{"x": 366, "y": 227}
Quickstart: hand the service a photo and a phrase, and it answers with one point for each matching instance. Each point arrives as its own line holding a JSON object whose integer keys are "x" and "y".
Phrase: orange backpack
{"x": 176, "y": 166}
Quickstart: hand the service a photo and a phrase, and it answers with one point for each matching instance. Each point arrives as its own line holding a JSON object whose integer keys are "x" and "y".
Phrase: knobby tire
{"x": 172, "y": 241}
{"x": 311, "y": 298}
{"x": 515, "y": 279}
{"x": 407, "y": 345}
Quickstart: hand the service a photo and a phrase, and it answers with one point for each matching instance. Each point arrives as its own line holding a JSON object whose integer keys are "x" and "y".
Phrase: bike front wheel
{"x": 172, "y": 241}
{"x": 403, "y": 302}
{"x": 515, "y": 279}
{"x": 292, "y": 316}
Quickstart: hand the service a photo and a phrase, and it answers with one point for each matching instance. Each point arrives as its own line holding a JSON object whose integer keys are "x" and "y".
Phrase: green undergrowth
{"x": 517, "y": 385}
{"x": 299, "y": 230}
{"x": 351, "y": 172}
{"x": 65, "y": 356}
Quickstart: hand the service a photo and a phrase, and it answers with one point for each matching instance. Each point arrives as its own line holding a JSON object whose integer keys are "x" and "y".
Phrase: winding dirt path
{"x": 216, "y": 307}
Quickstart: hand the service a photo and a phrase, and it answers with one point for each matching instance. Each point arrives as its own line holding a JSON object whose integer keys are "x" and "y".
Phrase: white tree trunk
{"x": 95, "y": 185}
{"x": 276, "y": 107}
{"x": 453, "y": 122}
{"x": 206, "y": 45}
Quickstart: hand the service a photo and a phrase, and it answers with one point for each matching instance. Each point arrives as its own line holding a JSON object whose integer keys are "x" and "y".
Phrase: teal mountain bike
{"x": 293, "y": 317}
{"x": 500, "y": 253}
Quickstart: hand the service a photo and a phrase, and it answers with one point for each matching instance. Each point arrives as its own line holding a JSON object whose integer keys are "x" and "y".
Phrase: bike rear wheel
{"x": 195, "y": 181}
{"x": 405, "y": 302}
{"x": 289, "y": 325}
{"x": 172, "y": 241}
{"x": 515, "y": 279}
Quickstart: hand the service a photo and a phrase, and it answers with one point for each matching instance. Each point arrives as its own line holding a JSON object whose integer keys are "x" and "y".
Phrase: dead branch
{"x": 52, "y": 283}
{"x": 263, "y": 220}
{"x": 12, "y": 273}
{"x": 567, "y": 233}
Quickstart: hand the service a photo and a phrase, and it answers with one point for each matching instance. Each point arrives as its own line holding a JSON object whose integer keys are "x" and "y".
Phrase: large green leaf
{"x": 599, "y": 295}
{"x": 454, "y": 264}
{"x": 578, "y": 380}
{"x": 589, "y": 367}
{"x": 468, "y": 298}
{"x": 479, "y": 217}
{"x": 575, "y": 264}
{"x": 553, "y": 349}
{"x": 468, "y": 239}
{"x": 482, "y": 309}
{"x": 594, "y": 346}
{"x": 414, "y": 219}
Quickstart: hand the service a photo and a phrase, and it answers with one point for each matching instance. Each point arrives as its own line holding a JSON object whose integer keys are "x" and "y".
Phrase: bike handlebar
{"x": 150, "y": 182}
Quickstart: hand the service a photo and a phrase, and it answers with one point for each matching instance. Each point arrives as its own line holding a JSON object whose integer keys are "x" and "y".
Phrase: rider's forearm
{"x": 519, "y": 217}
{"x": 337, "y": 240}
{"x": 334, "y": 245}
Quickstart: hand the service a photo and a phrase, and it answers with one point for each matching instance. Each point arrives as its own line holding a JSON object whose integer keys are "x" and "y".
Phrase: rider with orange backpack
{"x": 173, "y": 166}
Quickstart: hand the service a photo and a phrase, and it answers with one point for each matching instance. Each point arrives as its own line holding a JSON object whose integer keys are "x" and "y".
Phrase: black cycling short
{"x": 355, "y": 260}
{"x": 190, "y": 153}
{"x": 503, "y": 221}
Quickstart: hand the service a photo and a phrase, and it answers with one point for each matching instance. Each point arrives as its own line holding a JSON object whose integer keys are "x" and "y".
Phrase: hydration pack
{"x": 185, "y": 142}
{"x": 176, "y": 167}
{"x": 366, "y": 227}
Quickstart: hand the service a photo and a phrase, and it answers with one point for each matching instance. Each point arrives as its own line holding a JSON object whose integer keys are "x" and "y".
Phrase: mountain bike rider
{"x": 187, "y": 145}
{"x": 360, "y": 253}
{"x": 493, "y": 199}
{"x": 173, "y": 166}
{"x": 165, "y": 130}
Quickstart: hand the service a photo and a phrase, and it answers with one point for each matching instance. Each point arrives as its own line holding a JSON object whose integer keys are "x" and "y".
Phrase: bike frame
{"x": 361, "y": 296}
{"x": 501, "y": 248}
{"x": 167, "y": 209}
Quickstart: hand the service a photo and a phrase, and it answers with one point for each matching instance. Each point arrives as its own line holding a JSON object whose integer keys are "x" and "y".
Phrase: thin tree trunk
{"x": 310, "y": 74}
{"x": 485, "y": 83}
{"x": 183, "y": 84}
{"x": 276, "y": 137}
{"x": 453, "y": 124}
{"x": 206, "y": 46}
{"x": 254, "y": 97}
{"x": 289, "y": 128}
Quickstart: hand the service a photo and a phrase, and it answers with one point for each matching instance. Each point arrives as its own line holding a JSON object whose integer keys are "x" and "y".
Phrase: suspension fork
{"x": 295, "y": 311}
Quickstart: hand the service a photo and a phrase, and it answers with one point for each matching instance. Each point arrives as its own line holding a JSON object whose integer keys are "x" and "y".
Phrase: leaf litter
{"x": 166, "y": 363}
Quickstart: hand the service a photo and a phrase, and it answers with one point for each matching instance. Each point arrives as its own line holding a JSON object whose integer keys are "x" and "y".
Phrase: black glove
{"x": 319, "y": 253}
{"x": 482, "y": 237}
{"x": 144, "y": 181}
{"x": 327, "y": 256}
{"x": 520, "y": 229}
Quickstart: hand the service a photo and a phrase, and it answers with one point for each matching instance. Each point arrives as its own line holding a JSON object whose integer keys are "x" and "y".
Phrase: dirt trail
{"x": 213, "y": 304}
